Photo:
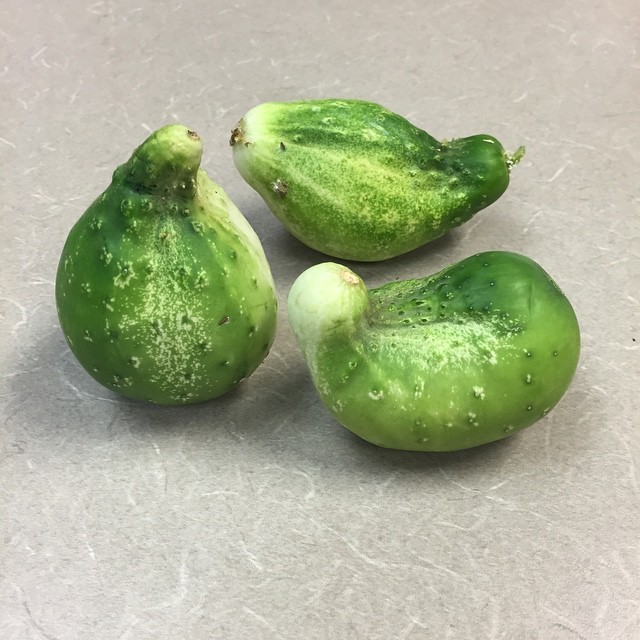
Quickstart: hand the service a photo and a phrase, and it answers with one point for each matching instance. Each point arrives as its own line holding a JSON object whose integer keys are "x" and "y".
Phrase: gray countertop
{"x": 257, "y": 515}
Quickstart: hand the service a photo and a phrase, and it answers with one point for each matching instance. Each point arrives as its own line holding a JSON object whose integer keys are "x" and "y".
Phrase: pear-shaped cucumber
{"x": 469, "y": 355}
{"x": 163, "y": 290}
{"x": 353, "y": 180}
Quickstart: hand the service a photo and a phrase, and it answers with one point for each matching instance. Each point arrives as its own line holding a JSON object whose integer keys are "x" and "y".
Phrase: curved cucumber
{"x": 470, "y": 355}
{"x": 353, "y": 180}
{"x": 163, "y": 290}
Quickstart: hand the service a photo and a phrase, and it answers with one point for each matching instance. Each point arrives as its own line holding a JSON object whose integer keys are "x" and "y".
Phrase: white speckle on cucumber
{"x": 125, "y": 275}
{"x": 106, "y": 256}
{"x": 444, "y": 344}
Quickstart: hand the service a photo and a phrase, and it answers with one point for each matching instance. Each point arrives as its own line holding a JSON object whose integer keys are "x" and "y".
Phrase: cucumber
{"x": 353, "y": 180}
{"x": 163, "y": 291}
{"x": 472, "y": 354}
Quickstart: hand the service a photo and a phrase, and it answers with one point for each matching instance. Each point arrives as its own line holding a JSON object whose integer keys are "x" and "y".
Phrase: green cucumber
{"x": 163, "y": 290}
{"x": 472, "y": 354}
{"x": 353, "y": 180}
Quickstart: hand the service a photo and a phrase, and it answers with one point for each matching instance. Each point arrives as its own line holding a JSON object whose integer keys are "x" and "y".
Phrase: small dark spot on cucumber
{"x": 126, "y": 273}
{"x": 376, "y": 394}
{"x": 282, "y": 147}
{"x": 223, "y": 321}
{"x": 280, "y": 188}
{"x": 237, "y": 135}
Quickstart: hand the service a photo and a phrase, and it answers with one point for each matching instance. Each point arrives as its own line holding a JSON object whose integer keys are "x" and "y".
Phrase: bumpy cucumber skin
{"x": 356, "y": 181}
{"x": 470, "y": 355}
{"x": 163, "y": 291}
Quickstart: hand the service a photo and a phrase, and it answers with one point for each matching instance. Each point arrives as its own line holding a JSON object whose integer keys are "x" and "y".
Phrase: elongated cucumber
{"x": 469, "y": 355}
{"x": 353, "y": 180}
